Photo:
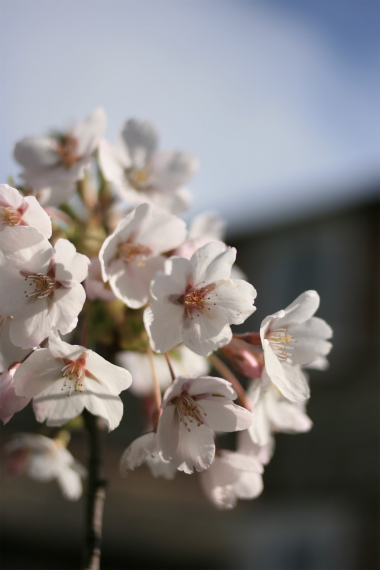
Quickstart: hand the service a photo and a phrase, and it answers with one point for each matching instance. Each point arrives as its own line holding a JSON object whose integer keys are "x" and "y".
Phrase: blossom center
{"x": 9, "y": 217}
{"x": 75, "y": 372}
{"x": 67, "y": 149}
{"x": 189, "y": 412}
{"x": 279, "y": 341}
{"x": 195, "y": 299}
{"x": 130, "y": 252}
{"x": 139, "y": 178}
{"x": 41, "y": 286}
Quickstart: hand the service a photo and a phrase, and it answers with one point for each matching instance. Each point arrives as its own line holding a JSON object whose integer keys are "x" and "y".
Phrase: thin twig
{"x": 230, "y": 376}
{"x": 170, "y": 366}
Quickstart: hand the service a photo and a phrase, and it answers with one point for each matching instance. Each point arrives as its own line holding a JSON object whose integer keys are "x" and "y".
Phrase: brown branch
{"x": 96, "y": 492}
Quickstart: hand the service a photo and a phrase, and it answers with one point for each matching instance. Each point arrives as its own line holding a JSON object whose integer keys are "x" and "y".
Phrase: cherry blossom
{"x": 15, "y": 210}
{"x": 141, "y": 173}
{"x": 9, "y": 402}
{"x": 60, "y": 159}
{"x": 192, "y": 408}
{"x": 292, "y": 338}
{"x": 184, "y": 363}
{"x": 274, "y": 413}
{"x": 64, "y": 379}
{"x": 144, "y": 450}
{"x": 45, "y": 459}
{"x": 195, "y": 301}
{"x": 40, "y": 285}
{"x": 132, "y": 254}
{"x": 232, "y": 476}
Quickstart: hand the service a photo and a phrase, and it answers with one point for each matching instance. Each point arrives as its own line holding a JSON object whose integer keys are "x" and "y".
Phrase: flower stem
{"x": 170, "y": 366}
{"x": 230, "y": 376}
{"x": 96, "y": 492}
{"x": 157, "y": 390}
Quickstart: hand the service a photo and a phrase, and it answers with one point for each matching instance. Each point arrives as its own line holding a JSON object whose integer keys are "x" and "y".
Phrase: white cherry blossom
{"x": 132, "y": 254}
{"x": 192, "y": 408}
{"x": 15, "y": 210}
{"x": 45, "y": 459}
{"x": 274, "y": 413}
{"x": 292, "y": 338}
{"x": 184, "y": 363}
{"x": 141, "y": 173}
{"x": 195, "y": 301}
{"x": 40, "y": 285}
{"x": 94, "y": 285}
{"x": 144, "y": 450}
{"x": 60, "y": 159}
{"x": 232, "y": 476}
{"x": 64, "y": 379}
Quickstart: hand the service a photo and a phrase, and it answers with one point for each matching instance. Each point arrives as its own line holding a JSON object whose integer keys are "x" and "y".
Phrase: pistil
{"x": 41, "y": 285}
{"x": 9, "y": 217}
{"x": 279, "y": 341}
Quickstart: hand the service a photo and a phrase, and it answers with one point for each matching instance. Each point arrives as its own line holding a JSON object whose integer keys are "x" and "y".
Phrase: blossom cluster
{"x": 93, "y": 249}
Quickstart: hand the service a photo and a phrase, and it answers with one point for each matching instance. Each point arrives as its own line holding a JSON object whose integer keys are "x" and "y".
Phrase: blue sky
{"x": 278, "y": 99}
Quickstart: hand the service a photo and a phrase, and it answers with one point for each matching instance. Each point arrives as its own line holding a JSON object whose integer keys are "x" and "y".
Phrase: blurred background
{"x": 280, "y": 102}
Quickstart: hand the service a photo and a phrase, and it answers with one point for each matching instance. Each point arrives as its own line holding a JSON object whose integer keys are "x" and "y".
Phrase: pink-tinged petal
{"x": 31, "y": 327}
{"x": 309, "y": 349}
{"x": 172, "y": 284}
{"x": 9, "y": 196}
{"x": 179, "y": 385}
{"x": 66, "y": 306}
{"x": 60, "y": 349}
{"x": 89, "y": 132}
{"x": 260, "y": 430}
{"x": 287, "y": 417}
{"x": 163, "y": 323}
{"x": 33, "y": 152}
{"x": 173, "y": 169}
{"x": 206, "y": 331}
{"x": 27, "y": 249}
{"x": 136, "y": 453}
{"x": 236, "y": 298}
{"x": 130, "y": 281}
{"x": 240, "y": 461}
{"x": 101, "y": 402}
{"x": 141, "y": 139}
{"x": 263, "y": 453}
{"x": 163, "y": 233}
{"x": 212, "y": 262}
{"x": 168, "y": 432}
{"x": 39, "y": 372}
{"x": 34, "y": 215}
{"x": 249, "y": 485}
{"x": 223, "y": 415}
{"x": 196, "y": 449}
{"x": 12, "y": 293}
{"x": 300, "y": 310}
{"x": 56, "y": 406}
{"x": 312, "y": 328}
{"x": 10, "y": 403}
{"x": 211, "y": 385}
{"x": 70, "y": 484}
{"x": 113, "y": 377}
{"x": 287, "y": 378}
{"x": 70, "y": 266}
{"x": 113, "y": 163}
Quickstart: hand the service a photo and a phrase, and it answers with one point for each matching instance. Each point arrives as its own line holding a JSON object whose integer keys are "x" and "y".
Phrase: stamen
{"x": 279, "y": 341}
{"x": 9, "y": 217}
{"x": 75, "y": 372}
{"x": 194, "y": 299}
{"x": 67, "y": 149}
{"x": 139, "y": 178}
{"x": 134, "y": 252}
{"x": 43, "y": 285}
{"x": 189, "y": 411}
